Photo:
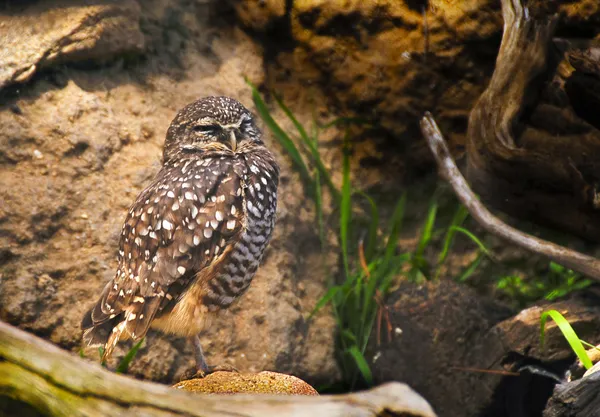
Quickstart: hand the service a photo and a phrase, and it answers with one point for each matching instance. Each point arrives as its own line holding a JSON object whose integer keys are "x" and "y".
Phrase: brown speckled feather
{"x": 173, "y": 231}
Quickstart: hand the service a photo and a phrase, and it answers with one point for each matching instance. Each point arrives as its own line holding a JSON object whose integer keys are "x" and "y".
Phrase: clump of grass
{"x": 423, "y": 269}
{"x": 557, "y": 282}
{"x": 371, "y": 261}
{"x": 369, "y": 265}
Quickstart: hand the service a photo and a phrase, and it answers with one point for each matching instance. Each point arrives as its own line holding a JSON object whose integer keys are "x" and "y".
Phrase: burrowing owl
{"x": 193, "y": 239}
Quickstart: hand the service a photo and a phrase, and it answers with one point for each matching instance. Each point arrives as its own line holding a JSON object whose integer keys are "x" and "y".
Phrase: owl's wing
{"x": 178, "y": 226}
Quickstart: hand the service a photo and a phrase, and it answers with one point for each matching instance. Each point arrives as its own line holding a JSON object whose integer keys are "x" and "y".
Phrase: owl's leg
{"x": 202, "y": 368}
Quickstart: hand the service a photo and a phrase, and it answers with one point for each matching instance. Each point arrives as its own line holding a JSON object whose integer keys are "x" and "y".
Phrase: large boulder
{"x": 388, "y": 62}
{"x": 76, "y": 147}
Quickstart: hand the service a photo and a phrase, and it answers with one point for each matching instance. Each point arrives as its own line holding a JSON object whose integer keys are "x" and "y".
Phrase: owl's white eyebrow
{"x": 233, "y": 125}
{"x": 190, "y": 147}
{"x": 207, "y": 121}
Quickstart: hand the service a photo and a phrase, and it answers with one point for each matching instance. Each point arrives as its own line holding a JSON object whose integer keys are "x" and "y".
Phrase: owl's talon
{"x": 200, "y": 374}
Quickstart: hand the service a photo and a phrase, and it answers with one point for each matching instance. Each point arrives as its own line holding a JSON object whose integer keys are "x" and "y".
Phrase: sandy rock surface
{"x": 76, "y": 147}
{"x": 234, "y": 383}
{"x": 53, "y": 32}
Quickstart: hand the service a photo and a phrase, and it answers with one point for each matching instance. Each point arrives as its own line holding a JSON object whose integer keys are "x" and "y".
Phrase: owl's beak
{"x": 232, "y": 140}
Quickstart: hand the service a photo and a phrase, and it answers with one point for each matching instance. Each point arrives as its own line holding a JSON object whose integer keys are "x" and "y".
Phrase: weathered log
{"x": 58, "y": 383}
{"x": 533, "y": 135}
{"x": 579, "y": 398}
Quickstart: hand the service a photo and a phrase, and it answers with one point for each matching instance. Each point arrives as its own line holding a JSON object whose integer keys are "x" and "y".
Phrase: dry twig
{"x": 574, "y": 260}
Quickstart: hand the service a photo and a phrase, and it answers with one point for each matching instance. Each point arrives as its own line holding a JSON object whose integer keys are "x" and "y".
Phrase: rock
{"x": 521, "y": 334}
{"x": 100, "y": 133}
{"x": 437, "y": 326}
{"x": 448, "y": 337}
{"x": 382, "y": 62}
{"x": 261, "y": 383}
{"x": 387, "y": 62}
{"x": 260, "y": 15}
{"x": 48, "y": 33}
{"x": 377, "y": 57}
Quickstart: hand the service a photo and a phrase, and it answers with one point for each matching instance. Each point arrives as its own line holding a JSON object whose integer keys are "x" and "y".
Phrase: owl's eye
{"x": 207, "y": 129}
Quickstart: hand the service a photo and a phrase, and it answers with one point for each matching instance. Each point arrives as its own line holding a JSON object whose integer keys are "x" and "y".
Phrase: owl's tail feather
{"x": 132, "y": 323}
{"x": 96, "y": 335}
{"x": 140, "y": 314}
{"x": 96, "y": 324}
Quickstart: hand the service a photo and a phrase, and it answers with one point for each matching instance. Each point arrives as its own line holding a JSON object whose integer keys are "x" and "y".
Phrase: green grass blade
{"x": 395, "y": 266}
{"x": 345, "y": 207}
{"x": 319, "y": 207}
{"x": 279, "y": 133}
{"x": 124, "y": 364}
{"x": 470, "y": 269}
{"x": 323, "y": 301}
{"x": 474, "y": 238}
{"x": 567, "y": 332}
{"x": 371, "y": 245}
{"x": 556, "y": 268}
{"x": 318, "y": 190}
{"x": 291, "y": 116}
{"x": 349, "y": 336}
{"x": 395, "y": 226}
{"x": 361, "y": 364}
{"x": 101, "y": 353}
{"x": 312, "y": 146}
{"x": 427, "y": 229}
{"x": 583, "y": 342}
{"x": 358, "y": 302}
{"x": 420, "y": 269}
{"x": 458, "y": 219}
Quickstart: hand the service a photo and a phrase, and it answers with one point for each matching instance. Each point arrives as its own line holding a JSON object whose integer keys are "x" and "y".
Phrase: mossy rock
{"x": 265, "y": 382}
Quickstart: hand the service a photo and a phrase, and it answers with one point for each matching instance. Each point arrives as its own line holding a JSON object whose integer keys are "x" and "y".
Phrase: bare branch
{"x": 574, "y": 260}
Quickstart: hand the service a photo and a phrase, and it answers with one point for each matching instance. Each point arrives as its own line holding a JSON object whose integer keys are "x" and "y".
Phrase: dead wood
{"x": 579, "y": 398}
{"x": 533, "y": 136}
{"x": 574, "y": 260}
{"x": 492, "y": 147}
{"x": 58, "y": 383}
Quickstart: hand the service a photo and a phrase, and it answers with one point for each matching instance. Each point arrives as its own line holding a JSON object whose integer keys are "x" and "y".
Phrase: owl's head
{"x": 211, "y": 124}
